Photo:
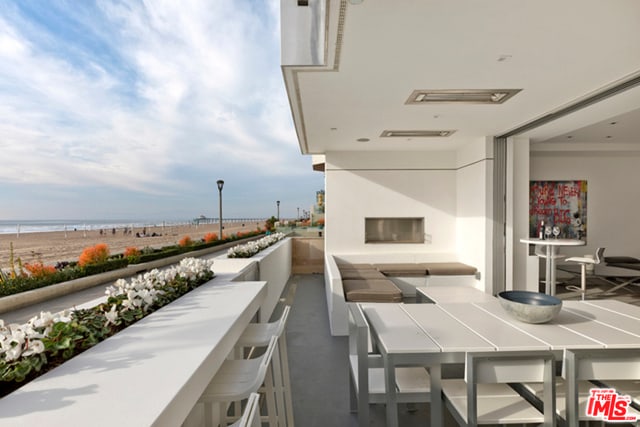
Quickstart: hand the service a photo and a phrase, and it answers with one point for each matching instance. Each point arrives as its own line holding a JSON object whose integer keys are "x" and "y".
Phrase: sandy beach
{"x": 52, "y": 247}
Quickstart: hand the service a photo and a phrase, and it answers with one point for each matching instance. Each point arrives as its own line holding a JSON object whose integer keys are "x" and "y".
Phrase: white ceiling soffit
{"x": 379, "y": 52}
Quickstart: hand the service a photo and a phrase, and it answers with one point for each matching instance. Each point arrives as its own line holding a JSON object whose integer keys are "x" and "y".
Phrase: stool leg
{"x": 583, "y": 279}
{"x": 208, "y": 414}
{"x": 270, "y": 397}
{"x": 284, "y": 358}
{"x": 278, "y": 387}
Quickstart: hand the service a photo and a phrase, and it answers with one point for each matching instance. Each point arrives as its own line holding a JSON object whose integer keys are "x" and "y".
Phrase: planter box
{"x": 151, "y": 373}
{"x": 272, "y": 265}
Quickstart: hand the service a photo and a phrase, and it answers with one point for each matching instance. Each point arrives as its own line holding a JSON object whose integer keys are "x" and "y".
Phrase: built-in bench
{"x": 351, "y": 279}
{"x": 389, "y": 282}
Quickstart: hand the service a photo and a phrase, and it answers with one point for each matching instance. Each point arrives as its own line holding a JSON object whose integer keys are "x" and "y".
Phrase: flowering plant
{"x": 249, "y": 249}
{"x": 94, "y": 255}
{"x": 48, "y": 340}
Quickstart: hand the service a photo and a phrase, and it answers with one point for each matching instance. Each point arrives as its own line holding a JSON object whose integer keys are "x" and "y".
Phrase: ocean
{"x": 38, "y": 226}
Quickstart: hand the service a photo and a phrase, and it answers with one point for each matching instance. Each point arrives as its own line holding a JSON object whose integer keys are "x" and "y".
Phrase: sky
{"x": 134, "y": 109}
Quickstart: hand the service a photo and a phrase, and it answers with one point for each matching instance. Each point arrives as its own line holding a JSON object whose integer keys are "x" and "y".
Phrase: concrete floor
{"x": 319, "y": 367}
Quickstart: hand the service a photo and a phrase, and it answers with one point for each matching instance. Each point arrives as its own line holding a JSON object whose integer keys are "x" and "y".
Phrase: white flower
{"x": 111, "y": 315}
{"x": 34, "y": 347}
{"x": 13, "y": 353}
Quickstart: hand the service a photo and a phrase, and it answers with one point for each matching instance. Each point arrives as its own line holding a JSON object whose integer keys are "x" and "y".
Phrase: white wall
{"x": 390, "y": 184}
{"x": 474, "y": 208}
{"x": 517, "y": 262}
{"x": 450, "y": 190}
{"x": 302, "y": 33}
{"x": 613, "y": 195}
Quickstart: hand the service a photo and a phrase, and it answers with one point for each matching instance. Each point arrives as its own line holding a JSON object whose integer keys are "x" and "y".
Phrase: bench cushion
{"x": 449, "y": 269}
{"x": 354, "y": 266}
{"x": 621, "y": 260}
{"x": 402, "y": 269}
{"x": 361, "y": 274}
{"x": 371, "y": 290}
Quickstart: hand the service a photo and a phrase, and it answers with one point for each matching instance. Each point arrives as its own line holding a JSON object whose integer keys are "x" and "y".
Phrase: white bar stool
{"x": 259, "y": 335}
{"x": 251, "y": 415}
{"x": 584, "y": 261}
{"x": 236, "y": 380}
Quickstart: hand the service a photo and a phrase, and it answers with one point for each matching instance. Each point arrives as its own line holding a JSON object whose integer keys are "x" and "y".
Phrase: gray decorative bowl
{"x": 530, "y": 307}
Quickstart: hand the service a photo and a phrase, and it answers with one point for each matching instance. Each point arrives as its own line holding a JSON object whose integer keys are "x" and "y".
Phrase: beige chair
{"x": 485, "y": 397}
{"x": 413, "y": 384}
{"x": 584, "y": 261}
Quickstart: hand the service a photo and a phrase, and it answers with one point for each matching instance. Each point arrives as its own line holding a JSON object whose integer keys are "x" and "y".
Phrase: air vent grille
{"x": 461, "y": 96}
{"x": 417, "y": 133}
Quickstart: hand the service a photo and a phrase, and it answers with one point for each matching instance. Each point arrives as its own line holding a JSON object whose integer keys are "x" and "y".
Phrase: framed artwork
{"x": 559, "y": 203}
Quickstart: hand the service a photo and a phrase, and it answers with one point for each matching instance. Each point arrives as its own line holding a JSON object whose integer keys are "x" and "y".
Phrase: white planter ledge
{"x": 150, "y": 374}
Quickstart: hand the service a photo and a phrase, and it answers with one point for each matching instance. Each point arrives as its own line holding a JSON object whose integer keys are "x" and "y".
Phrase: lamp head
{"x": 220, "y": 184}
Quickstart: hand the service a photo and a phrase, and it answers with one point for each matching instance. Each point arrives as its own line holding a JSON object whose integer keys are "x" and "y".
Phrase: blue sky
{"x": 133, "y": 109}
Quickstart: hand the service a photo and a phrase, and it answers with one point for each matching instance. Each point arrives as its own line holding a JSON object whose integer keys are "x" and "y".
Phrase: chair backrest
{"x": 251, "y": 414}
{"x": 598, "y": 256}
{"x": 602, "y": 364}
{"x": 265, "y": 360}
{"x": 282, "y": 323}
{"x": 510, "y": 367}
{"x": 596, "y": 364}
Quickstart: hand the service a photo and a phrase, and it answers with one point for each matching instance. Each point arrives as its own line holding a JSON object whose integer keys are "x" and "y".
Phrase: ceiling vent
{"x": 416, "y": 133}
{"x": 461, "y": 96}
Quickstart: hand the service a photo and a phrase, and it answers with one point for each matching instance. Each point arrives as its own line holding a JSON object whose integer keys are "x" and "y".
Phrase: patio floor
{"x": 318, "y": 361}
{"x": 319, "y": 368}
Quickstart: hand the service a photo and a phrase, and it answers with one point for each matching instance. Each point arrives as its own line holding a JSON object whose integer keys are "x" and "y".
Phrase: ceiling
{"x": 377, "y": 52}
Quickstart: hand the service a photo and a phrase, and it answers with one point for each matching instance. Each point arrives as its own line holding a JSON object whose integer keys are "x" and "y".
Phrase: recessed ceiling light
{"x": 569, "y": 136}
{"x": 609, "y": 136}
{"x": 461, "y": 96}
{"x": 416, "y": 133}
{"x": 613, "y": 123}
{"x": 363, "y": 140}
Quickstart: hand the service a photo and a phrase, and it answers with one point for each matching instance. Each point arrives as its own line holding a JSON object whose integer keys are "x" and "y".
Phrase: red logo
{"x": 607, "y": 405}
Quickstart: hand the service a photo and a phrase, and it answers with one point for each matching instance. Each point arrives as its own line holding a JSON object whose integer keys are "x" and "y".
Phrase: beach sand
{"x": 52, "y": 247}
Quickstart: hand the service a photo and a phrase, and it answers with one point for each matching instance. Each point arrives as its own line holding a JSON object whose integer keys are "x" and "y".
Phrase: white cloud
{"x": 181, "y": 85}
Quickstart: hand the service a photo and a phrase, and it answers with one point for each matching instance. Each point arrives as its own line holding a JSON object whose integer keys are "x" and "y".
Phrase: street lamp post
{"x": 278, "y": 204}
{"x": 220, "y": 185}
{"x": 298, "y": 217}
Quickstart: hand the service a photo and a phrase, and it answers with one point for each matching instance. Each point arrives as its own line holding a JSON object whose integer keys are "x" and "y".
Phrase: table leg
{"x": 392, "y": 398}
{"x": 547, "y": 277}
{"x": 436, "y": 395}
{"x": 553, "y": 269}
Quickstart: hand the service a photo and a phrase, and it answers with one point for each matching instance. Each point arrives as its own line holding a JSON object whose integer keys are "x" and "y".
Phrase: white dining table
{"x": 551, "y": 250}
{"x": 432, "y": 335}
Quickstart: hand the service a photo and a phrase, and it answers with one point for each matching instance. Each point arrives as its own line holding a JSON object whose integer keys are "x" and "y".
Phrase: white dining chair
{"x": 258, "y": 335}
{"x": 367, "y": 375}
{"x": 485, "y": 397}
{"x": 236, "y": 380}
{"x": 611, "y": 368}
{"x": 584, "y": 261}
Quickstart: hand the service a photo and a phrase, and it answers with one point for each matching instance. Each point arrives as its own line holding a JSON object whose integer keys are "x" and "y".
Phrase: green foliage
{"x": 270, "y": 223}
{"x": 11, "y": 284}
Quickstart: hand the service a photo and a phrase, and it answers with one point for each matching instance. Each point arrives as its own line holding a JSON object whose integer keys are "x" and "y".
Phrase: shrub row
{"x": 70, "y": 271}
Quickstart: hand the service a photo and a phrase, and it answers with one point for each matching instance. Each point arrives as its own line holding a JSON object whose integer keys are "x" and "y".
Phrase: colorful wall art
{"x": 558, "y": 203}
